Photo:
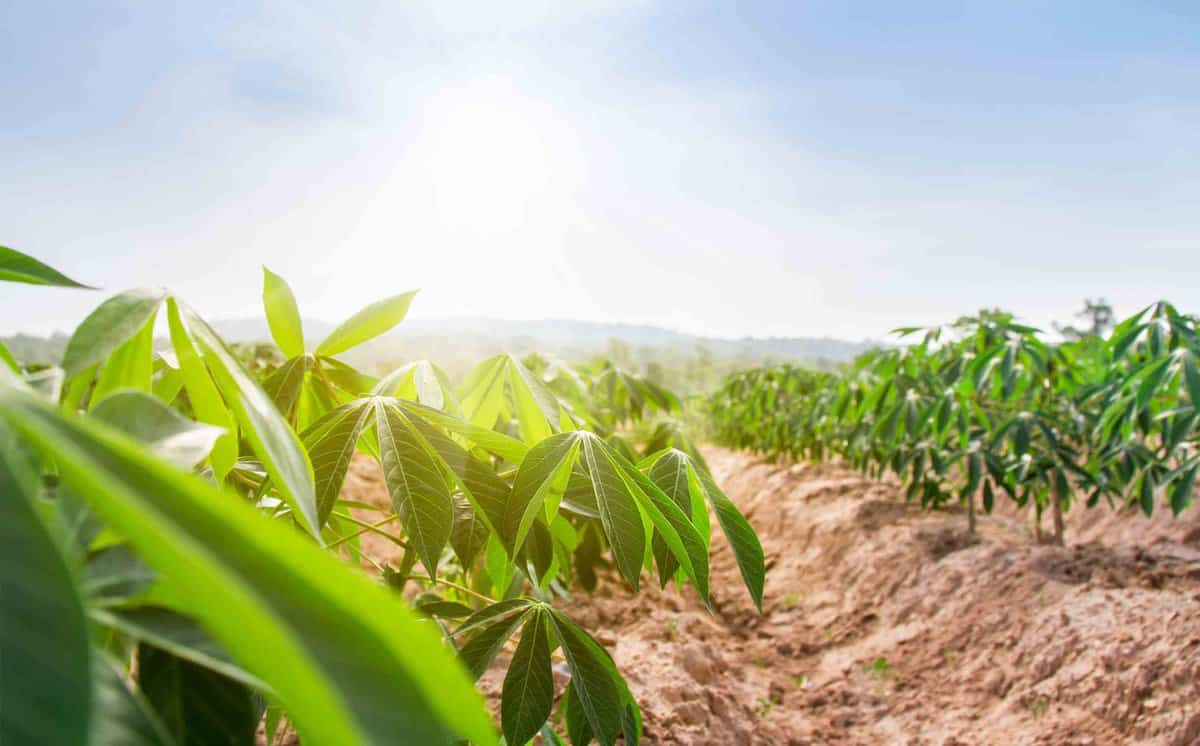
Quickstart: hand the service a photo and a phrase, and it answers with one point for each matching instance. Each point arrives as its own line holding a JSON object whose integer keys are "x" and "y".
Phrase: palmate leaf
{"x": 416, "y": 482}
{"x": 108, "y": 327}
{"x": 18, "y": 267}
{"x": 346, "y": 658}
{"x": 45, "y": 656}
{"x": 527, "y": 696}
{"x": 197, "y": 706}
{"x": 368, "y": 323}
{"x": 502, "y": 384}
{"x": 283, "y": 317}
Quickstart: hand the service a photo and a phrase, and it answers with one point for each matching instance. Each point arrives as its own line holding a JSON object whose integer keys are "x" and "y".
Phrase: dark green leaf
{"x": 45, "y": 657}
{"x": 198, "y": 706}
{"x": 528, "y": 693}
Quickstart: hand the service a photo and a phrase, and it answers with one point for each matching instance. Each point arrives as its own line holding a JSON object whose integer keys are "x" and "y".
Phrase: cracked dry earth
{"x": 882, "y": 625}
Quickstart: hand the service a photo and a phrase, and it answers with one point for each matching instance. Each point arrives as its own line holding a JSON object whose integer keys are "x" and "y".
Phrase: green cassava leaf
{"x": 18, "y": 267}
{"x": 7, "y": 359}
{"x": 618, "y": 508}
{"x": 198, "y": 706}
{"x": 492, "y": 630}
{"x": 45, "y": 656}
{"x": 330, "y": 443}
{"x": 177, "y": 634}
{"x": 171, "y": 435}
{"x": 594, "y": 678}
{"x": 418, "y": 486}
{"x": 272, "y": 439}
{"x": 747, "y": 549}
{"x": 543, "y": 474}
{"x": 346, "y": 657}
{"x": 528, "y": 693}
{"x": 123, "y": 717}
{"x": 283, "y": 317}
{"x": 108, "y": 327}
{"x": 130, "y": 366}
{"x": 207, "y": 404}
{"x": 368, "y": 323}
{"x": 575, "y": 718}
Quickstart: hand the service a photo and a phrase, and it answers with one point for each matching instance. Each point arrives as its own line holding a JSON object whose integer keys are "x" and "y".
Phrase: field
{"x": 228, "y": 544}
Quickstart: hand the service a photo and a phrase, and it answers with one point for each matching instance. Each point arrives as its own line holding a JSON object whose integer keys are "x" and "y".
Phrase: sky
{"x": 725, "y": 169}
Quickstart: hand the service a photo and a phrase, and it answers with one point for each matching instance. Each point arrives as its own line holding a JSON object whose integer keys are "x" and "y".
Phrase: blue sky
{"x": 720, "y": 168}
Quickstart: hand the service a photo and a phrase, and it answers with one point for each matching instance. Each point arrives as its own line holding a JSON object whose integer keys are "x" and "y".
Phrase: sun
{"x": 490, "y": 168}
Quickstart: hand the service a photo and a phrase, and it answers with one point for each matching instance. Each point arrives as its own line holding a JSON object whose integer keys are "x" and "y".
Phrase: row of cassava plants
{"x": 986, "y": 406}
{"x": 179, "y": 565}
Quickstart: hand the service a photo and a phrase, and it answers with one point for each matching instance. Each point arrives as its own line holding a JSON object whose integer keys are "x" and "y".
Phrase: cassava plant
{"x": 985, "y": 406}
{"x": 181, "y": 565}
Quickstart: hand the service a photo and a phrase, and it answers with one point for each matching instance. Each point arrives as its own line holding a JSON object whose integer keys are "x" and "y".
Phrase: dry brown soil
{"x": 883, "y": 625}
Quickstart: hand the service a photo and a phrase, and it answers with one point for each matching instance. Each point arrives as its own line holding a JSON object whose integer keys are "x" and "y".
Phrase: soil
{"x": 883, "y": 624}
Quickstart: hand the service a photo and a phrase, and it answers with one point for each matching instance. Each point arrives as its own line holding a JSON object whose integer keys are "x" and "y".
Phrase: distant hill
{"x": 457, "y": 343}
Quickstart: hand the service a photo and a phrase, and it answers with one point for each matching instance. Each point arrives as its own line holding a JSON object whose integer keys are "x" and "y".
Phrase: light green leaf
{"x": 269, "y": 434}
{"x": 130, "y": 366}
{"x": 368, "y": 323}
{"x": 346, "y": 657}
{"x": 171, "y": 435}
{"x": 283, "y": 317}
{"x": 18, "y": 267}
{"x": 543, "y": 473}
{"x": 7, "y": 359}
{"x": 207, "y": 404}
{"x": 108, "y": 327}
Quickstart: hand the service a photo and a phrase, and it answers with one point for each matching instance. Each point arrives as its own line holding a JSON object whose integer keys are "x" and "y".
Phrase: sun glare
{"x": 490, "y": 169}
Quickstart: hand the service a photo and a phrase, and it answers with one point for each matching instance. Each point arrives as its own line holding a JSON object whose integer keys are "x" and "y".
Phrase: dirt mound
{"x": 883, "y": 624}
